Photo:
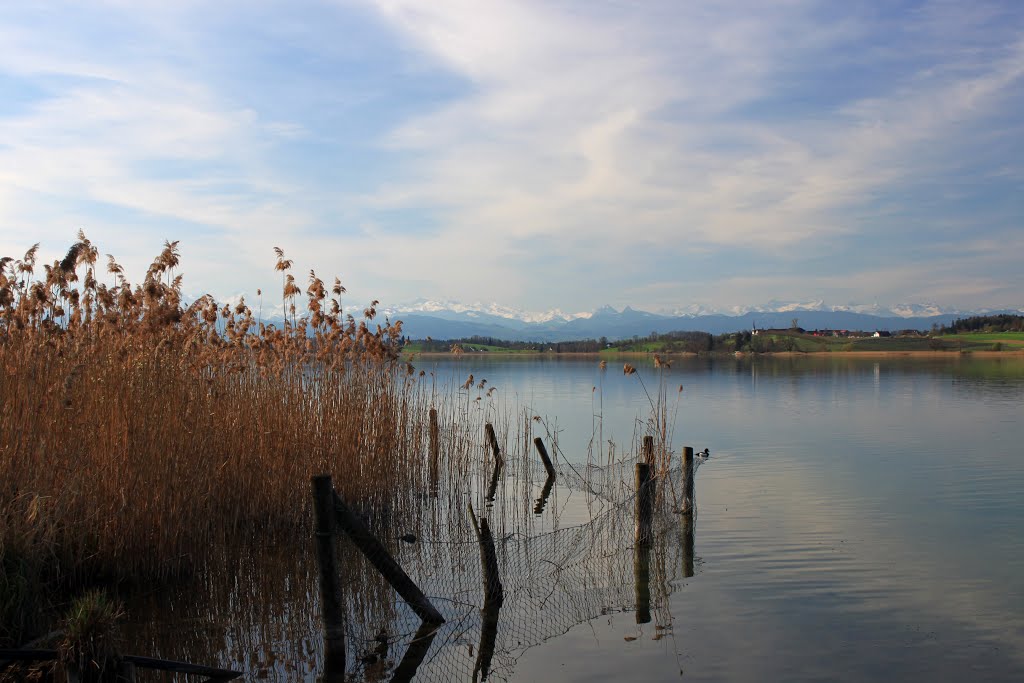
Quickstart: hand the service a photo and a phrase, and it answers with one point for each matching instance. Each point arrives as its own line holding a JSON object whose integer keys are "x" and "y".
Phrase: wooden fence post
{"x": 644, "y": 503}
{"x": 688, "y": 545}
{"x": 494, "y": 596}
{"x": 330, "y": 581}
{"x": 687, "y": 507}
{"x": 492, "y": 488}
{"x": 642, "y": 581}
{"x": 649, "y": 450}
{"x": 493, "y": 441}
{"x": 382, "y": 561}
{"x": 539, "y": 443}
{"x": 435, "y": 451}
{"x": 644, "y": 511}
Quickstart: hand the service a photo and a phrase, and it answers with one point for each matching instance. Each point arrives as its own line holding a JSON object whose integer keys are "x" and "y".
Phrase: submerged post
{"x": 435, "y": 450}
{"x": 330, "y": 581}
{"x": 539, "y": 443}
{"x": 688, "y": 500}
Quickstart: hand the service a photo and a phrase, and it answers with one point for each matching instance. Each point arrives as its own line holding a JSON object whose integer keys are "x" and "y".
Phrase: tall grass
{"x": 137, "y": 429}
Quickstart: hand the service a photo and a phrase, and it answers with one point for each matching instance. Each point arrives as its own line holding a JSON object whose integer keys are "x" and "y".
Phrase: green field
{"x": 781, "y": 342}
{"x": 1007, "y": 339}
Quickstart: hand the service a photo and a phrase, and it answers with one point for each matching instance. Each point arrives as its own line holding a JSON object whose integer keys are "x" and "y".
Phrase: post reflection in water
{"x": 642, "y": 579}
{"x": 545, "y": 493}
{"x": 686, "y": 525}
{"x": 417, "y": 651}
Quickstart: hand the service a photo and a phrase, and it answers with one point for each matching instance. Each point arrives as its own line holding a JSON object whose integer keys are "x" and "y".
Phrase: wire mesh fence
{"x": 565, "y": 551}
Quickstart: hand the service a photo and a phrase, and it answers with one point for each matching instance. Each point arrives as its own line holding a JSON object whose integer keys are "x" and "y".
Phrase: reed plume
{"x": 136, "y": 430}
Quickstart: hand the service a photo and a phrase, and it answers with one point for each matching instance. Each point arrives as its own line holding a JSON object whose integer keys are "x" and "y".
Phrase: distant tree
{"x": 794, "y": 324}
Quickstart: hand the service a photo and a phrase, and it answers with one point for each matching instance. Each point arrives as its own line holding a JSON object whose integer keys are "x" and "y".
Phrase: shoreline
{"x": 603, "y": 355}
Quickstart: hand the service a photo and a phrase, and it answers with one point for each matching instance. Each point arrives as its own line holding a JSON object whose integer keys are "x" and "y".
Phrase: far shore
{"x": 607, "y": 355}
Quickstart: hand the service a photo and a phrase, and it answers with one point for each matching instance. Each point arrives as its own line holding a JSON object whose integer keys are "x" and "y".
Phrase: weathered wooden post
{"x": 492, "y": 488}
{"x": 688, "y": 499}
{"x": 494, "y": 593}
{"x": 488, "y": 638}
{"x": 642, "y": 581}
{"x": 493, "y": 441}
{"x": 644, "y": 503}
{"x": 435, "y": 451}
{"x": 688, "y": 545}
{"x": 649, "y": 450}
{"x": 644, "y": 512}
{"x": 494, "y": 596}
{"x": 688, "y": 509}
{"x": 381, "y": 559}
{"x": 330, "y": 580}
{"x": 539, "y": 443}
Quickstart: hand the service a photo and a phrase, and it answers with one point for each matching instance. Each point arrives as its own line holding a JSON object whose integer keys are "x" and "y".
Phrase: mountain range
{"x": 454, "y": 320}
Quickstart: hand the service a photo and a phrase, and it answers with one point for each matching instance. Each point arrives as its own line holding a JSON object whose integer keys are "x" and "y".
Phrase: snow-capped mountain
{"x": 449, "y": 320}
{"x": 476, "y": 310}
{"x": 907, "y": 310}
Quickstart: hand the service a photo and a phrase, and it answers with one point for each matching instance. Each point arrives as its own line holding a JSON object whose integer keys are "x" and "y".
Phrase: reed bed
{"x": 137, "y": 430}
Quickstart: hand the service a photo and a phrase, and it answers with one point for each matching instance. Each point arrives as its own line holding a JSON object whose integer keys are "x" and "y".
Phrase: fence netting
{"x": 565, "y": 550}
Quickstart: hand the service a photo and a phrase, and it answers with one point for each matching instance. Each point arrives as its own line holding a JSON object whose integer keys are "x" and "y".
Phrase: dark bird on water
{"x": 705, "y": 453}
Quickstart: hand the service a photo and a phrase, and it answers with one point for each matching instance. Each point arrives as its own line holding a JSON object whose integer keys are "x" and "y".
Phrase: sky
{"x": 536, "y": 154}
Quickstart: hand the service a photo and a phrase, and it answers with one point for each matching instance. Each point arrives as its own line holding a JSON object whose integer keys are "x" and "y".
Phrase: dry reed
{"x": 136, "y": 430}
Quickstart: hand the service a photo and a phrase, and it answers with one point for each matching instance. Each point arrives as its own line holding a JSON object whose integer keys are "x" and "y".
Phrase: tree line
{"x": 1003, "y": 322}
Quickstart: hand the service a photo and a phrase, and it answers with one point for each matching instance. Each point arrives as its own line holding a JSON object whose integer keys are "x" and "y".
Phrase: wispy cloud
{"x": 520, "y": 151}
{"x": 629, "y": 132}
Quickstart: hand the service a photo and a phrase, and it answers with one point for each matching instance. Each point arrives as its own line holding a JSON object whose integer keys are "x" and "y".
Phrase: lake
{"x": 858, "y": 519}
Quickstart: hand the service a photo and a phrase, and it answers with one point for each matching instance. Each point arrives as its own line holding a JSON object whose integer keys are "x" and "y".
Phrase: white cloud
{"x": 625, "y": 132}
{"x": 571, "y": 146}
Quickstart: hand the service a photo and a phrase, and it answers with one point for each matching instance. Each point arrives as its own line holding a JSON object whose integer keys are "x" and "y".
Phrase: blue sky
{"x": 535, "y": 154}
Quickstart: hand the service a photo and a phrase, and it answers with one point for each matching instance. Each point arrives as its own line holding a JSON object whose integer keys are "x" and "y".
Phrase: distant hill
{"x": 606, "y": 322}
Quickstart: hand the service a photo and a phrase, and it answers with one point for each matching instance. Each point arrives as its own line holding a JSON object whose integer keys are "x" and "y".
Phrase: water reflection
{"x": 505, "y": 583}
{"x": 859, "y": 519}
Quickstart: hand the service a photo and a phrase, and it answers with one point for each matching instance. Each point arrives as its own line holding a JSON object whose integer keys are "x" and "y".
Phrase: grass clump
{"x": 90, "y": 647}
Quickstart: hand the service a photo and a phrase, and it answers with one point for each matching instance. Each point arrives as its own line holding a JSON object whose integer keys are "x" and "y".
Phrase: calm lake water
{"x": 858, "y": 519}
